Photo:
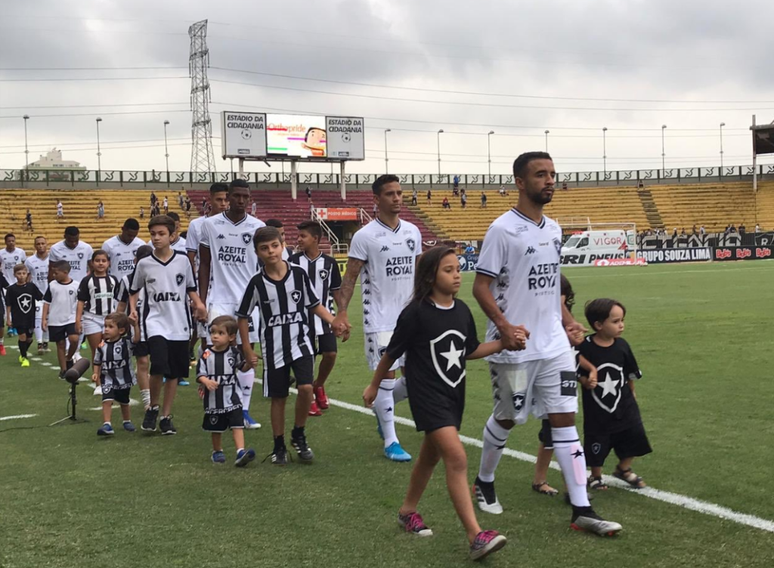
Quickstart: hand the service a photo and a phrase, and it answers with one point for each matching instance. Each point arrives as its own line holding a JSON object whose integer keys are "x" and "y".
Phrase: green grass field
{"x": 700, "y": 333}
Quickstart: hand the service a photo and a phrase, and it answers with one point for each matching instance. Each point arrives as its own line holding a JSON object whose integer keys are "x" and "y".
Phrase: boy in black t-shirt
{"x": 20, "y": 307}
{"x": 611, "y": 417}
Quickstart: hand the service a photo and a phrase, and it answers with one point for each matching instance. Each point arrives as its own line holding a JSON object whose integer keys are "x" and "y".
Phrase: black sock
{"x": 29, "y": 344}
{"x": 297, "y": 431}
{"x": 23, "y": 348}
{"x": 279, "y": 443}
{"x": 581, "y": 510}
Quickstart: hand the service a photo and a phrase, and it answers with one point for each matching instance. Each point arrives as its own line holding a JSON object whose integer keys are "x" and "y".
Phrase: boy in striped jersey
{"x": 284, "y": 296}
{"x": 113, "y": 368}
{"x": 221, "y": 393}
{"x": 324, "y": 275}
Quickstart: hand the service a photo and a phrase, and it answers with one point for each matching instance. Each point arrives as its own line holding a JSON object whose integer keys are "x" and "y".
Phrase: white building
{"x": 53, "y": 161}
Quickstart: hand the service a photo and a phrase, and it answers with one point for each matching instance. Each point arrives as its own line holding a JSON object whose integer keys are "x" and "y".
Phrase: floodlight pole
{"x": 663, "y": 153}
{"x": 293, "y": 179}
{"x": 99, "y": 153}
{"x": 386, "y": 157}
{"x": 166, "y": 148}
{"x": 722, "y": 124}
{"x": 547, "y": 132}
{"x": 342, "y": 183}
{"x": 439, "y": 154}
{"x": 489, "y": 153}
{"x": 604, "y": 151}
{"x": 26, "y": 117}
{"x": 755, "y": 157}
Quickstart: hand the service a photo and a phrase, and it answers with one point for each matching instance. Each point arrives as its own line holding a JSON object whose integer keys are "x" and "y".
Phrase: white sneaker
{"x": 98, "y": 391}
{"x": 486, "y": 497}
{"x": 76, "y": 357}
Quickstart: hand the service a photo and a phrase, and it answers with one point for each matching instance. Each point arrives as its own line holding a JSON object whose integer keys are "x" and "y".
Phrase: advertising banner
{"x": 670, "y": 255}
{"x": 621, "y": 262}
{"x": 467, "y": 262}
{"x": 337, "y": 214}
{"x": 589, "y": 258}
{"x": 345, "y": 137}
{"x": 243, "y": 134}
{"x": 743, "y": 253}
{"x": 296, "y": 136}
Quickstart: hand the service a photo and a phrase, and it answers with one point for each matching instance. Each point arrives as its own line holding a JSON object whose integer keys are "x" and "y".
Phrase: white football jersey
{"x": 121, "y": 255}
{"x": 78, "y": 257}
{"x": 523, "y": 257}
{"x": 166, "y": 285}
{"x": 11, "y": 259}
{"x": 233, "y": 258}
{"x": 38, "y": 269}
{"x": 387, "y": 278}
{"x": 62, "y": 300}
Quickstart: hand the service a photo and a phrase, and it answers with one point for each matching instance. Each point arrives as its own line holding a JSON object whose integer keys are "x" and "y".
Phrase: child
{"x": 611, "y": 417}
{"x": 284, "y": 296}
{"x": 168, "y": 281}
{"x": 221, "y": 392}
{"x": 3, "y": 286}
{"x": 546, "y": 449}
{"x": 59, "y": 306}
{"x": 113, "y": 368}
{"x": 142, "y": 212}
{"x": 141, "y": 347}
{"x": 95, "y": 301}
{"x": 324, "y": 275}
{"x": 437, "y": 333}
{"x": 20, "y": 299}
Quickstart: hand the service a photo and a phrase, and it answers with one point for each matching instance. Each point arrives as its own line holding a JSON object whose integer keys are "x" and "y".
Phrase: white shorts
{"x": 216, "y": 310}
{"x": 92, "y": 323}
{"x": 375, "y": 346}
{"x": 544, "y": 386}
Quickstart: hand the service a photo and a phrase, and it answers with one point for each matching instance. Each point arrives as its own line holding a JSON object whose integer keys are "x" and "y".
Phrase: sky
{"x": 516, "y": 68}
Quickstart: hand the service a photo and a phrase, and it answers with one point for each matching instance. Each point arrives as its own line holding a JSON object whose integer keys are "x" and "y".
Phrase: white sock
{"x": 400, "y": 392}
{"x": 384, "y": 408}
{"x": 145, "y": 396}
{"x": 495, "y": 437}
{"x": 572, "y": 460}
{"x": 38, "y": 334}
{"x": 246, "y": 380}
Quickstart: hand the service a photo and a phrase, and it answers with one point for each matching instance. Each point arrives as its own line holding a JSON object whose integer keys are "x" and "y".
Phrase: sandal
{"x": 628, "y": 476}
{"x": 596, "y": 484}
{"x": 544, "y": 489}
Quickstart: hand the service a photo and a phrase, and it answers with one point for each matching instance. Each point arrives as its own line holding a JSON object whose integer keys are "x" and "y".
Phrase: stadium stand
{"x": 712, "y": 205}
{"x": 80, "y": 209}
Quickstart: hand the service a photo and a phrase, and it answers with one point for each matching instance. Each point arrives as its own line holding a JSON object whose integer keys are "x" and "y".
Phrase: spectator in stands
{"x": 445, "y": 204}
{"x": 483, "y": 200}
{"x": 702, "y": 230}
{"x": 640, "y": 185}
{"x": 429, "y": 196}
{"x": 464, "y": 199}
{"x": 28, "y": 220}
{"x": 455, "y": 192}
{"x": 502, "y": 191}
{"x": 253, "y": 208}
{"x": 757, "y": 228}
{"x": 683, "y": 233}
{"x": 456, "y": 183}
{"x": 732, "y": 229}
{"x": 308, "y": 193}
{"x": 187, "y": 203}
{"x": 742, "y": 229}
{"x": 59, "y": 210}
{"x": 204, "y": 206}
{"x": 100, "y": 210}
{"x": 180, "y": 200}
{"x": 153, "y": 199}
{"x": 470, "y": 249}
{"x": 693, "y": 230}
{"x": 564, "y": 186}
{"x": 166, "y": 205}
{"x": 414, "y": 196}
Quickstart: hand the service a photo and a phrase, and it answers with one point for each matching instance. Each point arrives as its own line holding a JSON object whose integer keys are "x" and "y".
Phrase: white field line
{"x": 665, "y": 496}
{"x": 17, "y": 417}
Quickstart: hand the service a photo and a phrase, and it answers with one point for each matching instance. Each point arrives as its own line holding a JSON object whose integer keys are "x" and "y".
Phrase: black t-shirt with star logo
{"x": 436, "y": 341}
{"x": 21, "y": 299}
{"x": 611, "y": 406}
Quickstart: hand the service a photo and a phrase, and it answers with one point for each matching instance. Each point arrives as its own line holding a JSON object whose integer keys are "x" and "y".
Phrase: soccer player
{"x": 178, "y": 242}
{"x": 59, "y": 305}
{"x": 611, "y": 416}
{"x": 3, "y": 285}
{"x": 37, "y": 266}
{"x": 438, "y": 334}
{"x": 216, "y": 372}
{"x": 72, "y": 250}
{"x": 284, "y": 296}
{"x": 141, "y": 347}
{"x": 122, "y": 248}
{"x": 227, "y": 263}
{"x": 10, "y": 256}
{"x": 323, "y": 272}
{"x": 20, "y": 300}
{"x": 167, "y": 279}
{"x": 277, "y": 224}
{"x": 95, "y": 301}
{"x": 113, "y": 368}
{"x": 383, "y": 254}
{"x": 517, "y": 280}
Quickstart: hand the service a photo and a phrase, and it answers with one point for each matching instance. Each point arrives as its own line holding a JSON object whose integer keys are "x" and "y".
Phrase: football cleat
{"x": 321, "y": 398}
{"x": 591, "y": 522}
{"x": 485, "y": 543}
{"x": 244, "y": 457}
{"x": 414, "y": 524}
{"x": 314, "y": 409}
{"x": 25, "y": 362}
{"x": 305, "y": 453}
{"x": 183, "y": 383}
{"x": 2, "y": 349}
{"x": 250, "y": 424}
{"x": 396, "y": 453}
{"x": 486, "y": 497}
{"x": 279, "y": 457}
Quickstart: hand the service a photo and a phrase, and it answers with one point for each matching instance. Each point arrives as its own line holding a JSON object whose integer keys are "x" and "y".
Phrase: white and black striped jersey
{"x": 221, "y": 367}
{"x": 78, "y": 258}
{"x": 11, "y": 259}
{"x": 38, "y": 269}
{"x": 97, "y": 294}
{"x": 283, "y": 307}
{"x": 121, "y": 255}
{"x": 325, "y": 278}
{"x": 121, "y": 294}
{"x": 115, "y": 361}
{"x": 166, "y": 284}
{"x": 62, "y": 300}
{"x": 233, "y": 258}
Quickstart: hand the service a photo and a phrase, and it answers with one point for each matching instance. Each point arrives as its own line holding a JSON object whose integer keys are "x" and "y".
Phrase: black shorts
{"x": 57, "y": 333}
{"x": 168, "y": 357}
{"x": 276, "y": 382}
{"x": 545, "y": 435}
{"x": 221, "y": 422}
{"x": 121, "y": 396}
{"x": 326, "y": 343}
{"x": 23, "y": 324}
{"x": 436, "y": 413}
{"x": 141, "y": 349}
{"x": 629, "y": 443}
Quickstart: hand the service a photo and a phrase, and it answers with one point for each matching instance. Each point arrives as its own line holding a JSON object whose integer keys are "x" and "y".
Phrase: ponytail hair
{"x": 427, "y": 268}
